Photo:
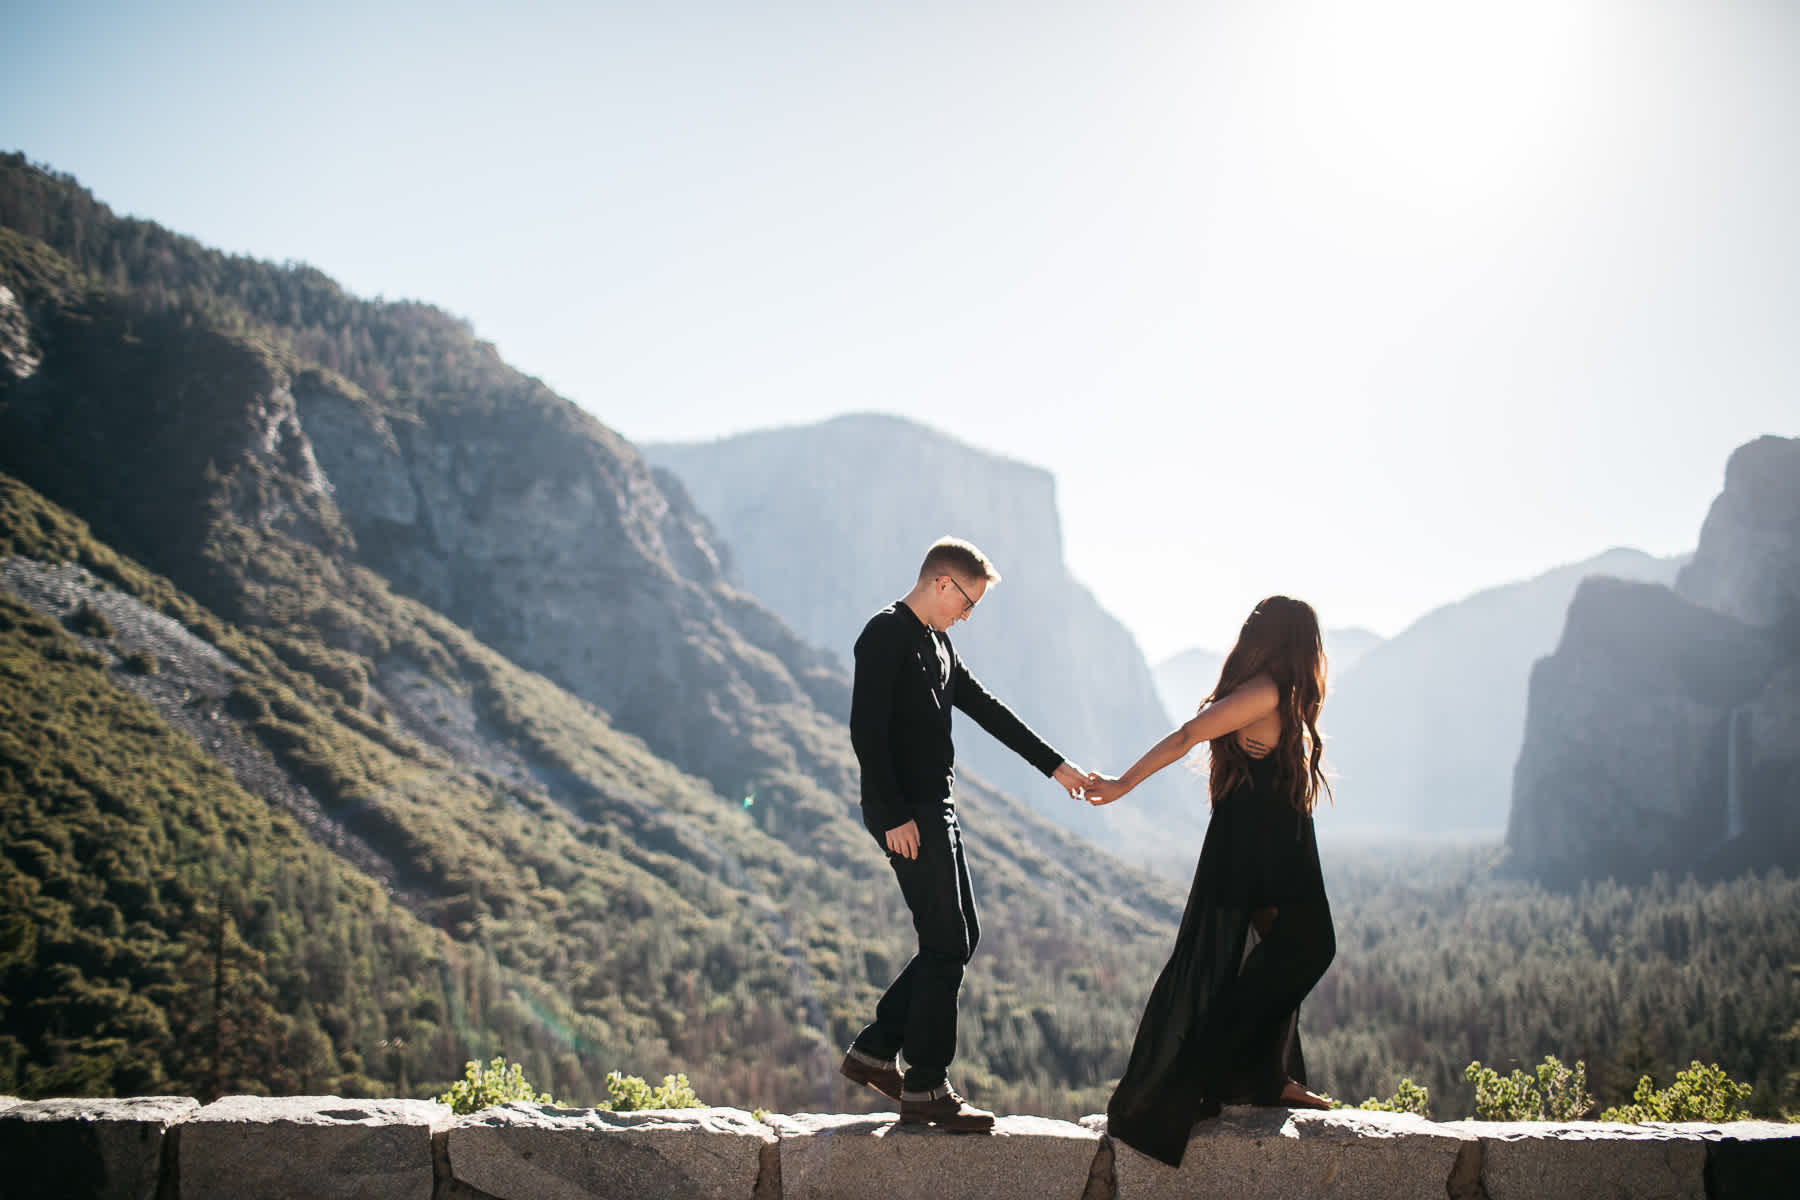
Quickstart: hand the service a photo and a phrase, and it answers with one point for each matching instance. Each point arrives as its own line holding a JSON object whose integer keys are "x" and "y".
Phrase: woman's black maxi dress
{"x": 1222, "y": 1027}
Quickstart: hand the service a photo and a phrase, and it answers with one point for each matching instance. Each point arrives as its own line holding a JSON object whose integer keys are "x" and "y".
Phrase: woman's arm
{"x": 1246, "y": 705}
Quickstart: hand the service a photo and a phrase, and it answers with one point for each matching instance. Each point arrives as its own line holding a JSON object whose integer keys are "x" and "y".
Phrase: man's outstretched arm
{"x": 994, "y": 716}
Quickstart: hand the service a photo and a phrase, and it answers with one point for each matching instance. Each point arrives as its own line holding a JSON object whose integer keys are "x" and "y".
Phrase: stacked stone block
{"x": 325, "y": 1148}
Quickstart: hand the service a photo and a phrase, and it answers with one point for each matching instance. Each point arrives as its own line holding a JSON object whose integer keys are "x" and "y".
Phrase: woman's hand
{"x": 1103, "y": 789}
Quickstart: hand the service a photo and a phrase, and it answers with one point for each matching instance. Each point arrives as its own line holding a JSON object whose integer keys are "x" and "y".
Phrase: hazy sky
{"x": 1376, "y": 302}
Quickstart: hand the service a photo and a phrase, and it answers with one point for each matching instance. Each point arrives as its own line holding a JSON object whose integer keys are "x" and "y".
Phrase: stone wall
{"x": 321, "y": 1147}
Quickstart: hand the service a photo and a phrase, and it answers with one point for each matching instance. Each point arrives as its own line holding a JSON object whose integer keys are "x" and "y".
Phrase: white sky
{"x": 1376, "y": 302}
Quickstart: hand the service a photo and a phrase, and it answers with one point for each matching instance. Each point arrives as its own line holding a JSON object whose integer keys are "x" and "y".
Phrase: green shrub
{"x": 336, "y": 670}
{"x": 89, "y": 620}
{"x": 142, "y": 662}
{"x": 1554, "y": 1093}
{"x": 247, "y": 703}
{"x": 630, "y": 1093}
{"x": 1408, "y": 1097}
{"x": 497, "y": 1083}
{"x": 1700, "y": 1093}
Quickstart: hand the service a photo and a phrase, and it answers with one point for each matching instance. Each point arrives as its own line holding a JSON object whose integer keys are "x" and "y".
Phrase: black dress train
{"x": 1222, "y": 1027}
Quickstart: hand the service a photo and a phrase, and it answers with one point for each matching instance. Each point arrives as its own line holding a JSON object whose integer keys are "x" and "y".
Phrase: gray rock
{"x": 524, "y": 1151}
{"x": 89, "y": 1148}
{"x": 1746, "y": 1159}
{"x": 1586, "y": 1160}
{"x": 1423, "y": 733}
{"x": 1748, "y": 562}
{"x": 843, "y": 1157}
{"x": 1624, "y": 765}
{"x": 368, "y": 476}
{"x": 1660, "y": 734}
{"x": 1281, "y": 1154}
{"x": 546, "y": 535}
{"x": 19, "y": 355}
{"x": 310, "y": 1148}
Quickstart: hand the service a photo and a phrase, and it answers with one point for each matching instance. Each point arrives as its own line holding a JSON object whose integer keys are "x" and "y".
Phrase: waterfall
{"x": 1737, "y": 770}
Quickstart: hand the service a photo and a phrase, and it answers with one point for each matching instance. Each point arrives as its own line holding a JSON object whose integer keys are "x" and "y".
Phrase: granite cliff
{"x": 1423, "y": 732}
{"x": 1664, "y": 731}
{"x": 828, "y": 522}
{"x": 520, "y": 517}
{"x": 545, "y": 534}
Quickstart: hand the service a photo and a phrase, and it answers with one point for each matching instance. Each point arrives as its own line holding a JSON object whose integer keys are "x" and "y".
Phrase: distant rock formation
{"x": 828, "y": 523}
{"x": 1422, "y": 733}
{"x": 1623, "y": 769}
{"x": 1182, "y": 679}
{"x": 1346, "y": 647}
{"x": 1748, "y": 562}
{"x": 1664, "y": 732}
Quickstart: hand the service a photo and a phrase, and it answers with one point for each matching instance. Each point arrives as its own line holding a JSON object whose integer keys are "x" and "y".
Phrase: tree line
{"x": 1443, "y": 960}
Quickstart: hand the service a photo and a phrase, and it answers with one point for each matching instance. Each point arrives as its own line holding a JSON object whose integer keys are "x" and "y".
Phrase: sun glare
{"x": 1421, "y": 105}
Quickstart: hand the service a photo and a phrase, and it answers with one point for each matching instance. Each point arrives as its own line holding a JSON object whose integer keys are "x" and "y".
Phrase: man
{"x": 908, "y": 677}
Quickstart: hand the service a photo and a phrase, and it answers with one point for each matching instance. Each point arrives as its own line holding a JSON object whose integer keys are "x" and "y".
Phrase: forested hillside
{"x": 736, "y": 926}
{"x": 574, "y": 902}
{"x": 297, "y": 794}
{"x": 1443, "y": 959}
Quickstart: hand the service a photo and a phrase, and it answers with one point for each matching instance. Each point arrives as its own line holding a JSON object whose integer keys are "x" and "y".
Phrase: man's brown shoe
{"x": 884, "y": 1077}
{"x": 941, "y": 1106}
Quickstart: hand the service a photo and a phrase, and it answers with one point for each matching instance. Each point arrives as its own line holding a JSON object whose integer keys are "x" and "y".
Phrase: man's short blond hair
{"x": 954, "y": 554}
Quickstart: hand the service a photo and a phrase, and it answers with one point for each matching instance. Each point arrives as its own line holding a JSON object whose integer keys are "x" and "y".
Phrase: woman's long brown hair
{"x": 1280, "y": 638}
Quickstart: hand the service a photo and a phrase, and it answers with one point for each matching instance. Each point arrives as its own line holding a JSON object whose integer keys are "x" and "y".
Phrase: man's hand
{"x": 1072, "y": 778}
{"x": 904, "y": 839}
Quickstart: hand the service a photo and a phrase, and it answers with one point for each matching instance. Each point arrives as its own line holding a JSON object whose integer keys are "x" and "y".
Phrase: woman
{"x": 1221, "y": 1024}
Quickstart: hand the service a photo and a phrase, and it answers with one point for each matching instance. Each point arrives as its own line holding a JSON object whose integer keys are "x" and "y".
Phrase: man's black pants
{"x": 916, "y": 1017}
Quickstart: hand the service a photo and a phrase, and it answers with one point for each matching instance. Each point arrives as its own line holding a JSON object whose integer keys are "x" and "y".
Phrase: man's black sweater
{"x": 907, "y": 678}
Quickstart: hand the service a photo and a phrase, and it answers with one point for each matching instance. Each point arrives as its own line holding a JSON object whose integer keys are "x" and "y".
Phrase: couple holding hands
{"x": 1220, "y": 1026}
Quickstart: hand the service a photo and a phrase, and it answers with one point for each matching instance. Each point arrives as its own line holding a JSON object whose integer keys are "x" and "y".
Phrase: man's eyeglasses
{"x": 968, "y": 604}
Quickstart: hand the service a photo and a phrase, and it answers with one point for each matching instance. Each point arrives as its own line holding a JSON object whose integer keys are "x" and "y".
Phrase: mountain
{"x": 828, "y": 523}
{"x": 1664, "y": 731}
{"x": 386, "y": 628}
{"x": 1346, "y": 647}
{"x": 1422, "y": 734}
{"x": 1182, "y": 679}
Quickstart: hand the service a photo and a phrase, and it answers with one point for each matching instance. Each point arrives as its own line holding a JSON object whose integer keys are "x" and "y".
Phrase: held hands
{"x": 1103, "y": 789}
{"x": 1072, "y": 779}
